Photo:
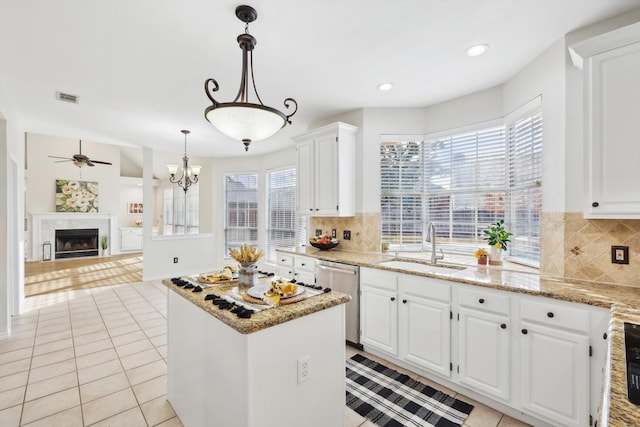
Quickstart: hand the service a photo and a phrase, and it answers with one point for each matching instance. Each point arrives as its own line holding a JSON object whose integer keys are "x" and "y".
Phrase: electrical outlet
{"x": 175, "y": 259}
{"x": 333, "y": 232}
{"x": 346, "y": 234}
{"x": 303, "y": 368}
{"x": 620, "y": 254}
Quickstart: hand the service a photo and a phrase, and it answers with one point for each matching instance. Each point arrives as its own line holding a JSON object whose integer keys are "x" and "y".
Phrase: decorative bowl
{"x": 324, "y": 246}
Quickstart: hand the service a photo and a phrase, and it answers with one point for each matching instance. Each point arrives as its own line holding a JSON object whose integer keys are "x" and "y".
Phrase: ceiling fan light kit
{"x": 80, "y": 160}
{"x": 241, "y": 119}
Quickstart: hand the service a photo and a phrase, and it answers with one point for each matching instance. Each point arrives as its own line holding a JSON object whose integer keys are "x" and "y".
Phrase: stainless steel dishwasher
{"x": 344, "y": 278}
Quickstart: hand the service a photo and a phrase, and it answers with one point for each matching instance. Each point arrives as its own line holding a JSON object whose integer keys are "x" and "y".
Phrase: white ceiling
{"x": 139, "y": 66}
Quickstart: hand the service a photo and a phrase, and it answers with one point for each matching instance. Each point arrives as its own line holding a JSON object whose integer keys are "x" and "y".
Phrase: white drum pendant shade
{"x": 246, "y": 123}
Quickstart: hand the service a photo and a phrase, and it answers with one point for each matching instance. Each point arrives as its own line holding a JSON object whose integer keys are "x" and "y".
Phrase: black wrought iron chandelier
{"x": 189, "y": 173}
{"x": 241, "y": 119}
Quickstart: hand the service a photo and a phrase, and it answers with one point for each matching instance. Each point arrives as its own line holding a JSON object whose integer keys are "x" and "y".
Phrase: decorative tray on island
{"x": 259, "y": 291}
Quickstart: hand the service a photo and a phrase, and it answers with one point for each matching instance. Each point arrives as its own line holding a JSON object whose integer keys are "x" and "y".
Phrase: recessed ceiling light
{"x": 385, "y": 86}
{"x": 477, "y": 50}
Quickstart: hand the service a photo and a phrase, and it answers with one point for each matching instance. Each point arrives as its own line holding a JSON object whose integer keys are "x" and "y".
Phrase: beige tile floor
{"x": 97, "y": 357}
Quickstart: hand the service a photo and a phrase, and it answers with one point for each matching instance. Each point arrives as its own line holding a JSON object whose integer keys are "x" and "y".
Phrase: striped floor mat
{"x": 389, "y": 398}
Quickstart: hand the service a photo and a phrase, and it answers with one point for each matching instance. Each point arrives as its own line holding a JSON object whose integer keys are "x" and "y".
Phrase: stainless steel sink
{"x": 421, "y": 267}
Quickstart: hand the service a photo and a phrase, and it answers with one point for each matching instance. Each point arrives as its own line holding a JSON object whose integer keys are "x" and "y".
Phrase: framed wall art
{"x": 76, "y": 196}
{"x": 135, "y": 208}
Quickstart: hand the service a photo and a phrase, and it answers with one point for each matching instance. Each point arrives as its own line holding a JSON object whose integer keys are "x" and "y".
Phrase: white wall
{"x": 43, "y": 171}
{"x": 194, "y": 252}
{"x": 11, "y": 214}
{"x": 5, "y": 283}
{"x": 546, "y": 75}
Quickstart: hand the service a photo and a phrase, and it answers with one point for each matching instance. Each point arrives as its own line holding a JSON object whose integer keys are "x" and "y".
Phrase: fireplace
{"x": 77, "y": 242}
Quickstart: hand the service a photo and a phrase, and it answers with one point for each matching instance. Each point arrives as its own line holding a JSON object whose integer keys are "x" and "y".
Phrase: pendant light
{"x": 241, "y": 119}
{"x": 189, "y": 173}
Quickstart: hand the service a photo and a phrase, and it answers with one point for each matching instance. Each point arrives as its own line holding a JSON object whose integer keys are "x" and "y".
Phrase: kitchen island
{"x": 227, "y": 371}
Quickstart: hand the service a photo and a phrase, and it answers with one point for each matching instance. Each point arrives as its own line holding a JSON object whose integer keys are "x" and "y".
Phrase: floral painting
{"x": 76, "y": 196}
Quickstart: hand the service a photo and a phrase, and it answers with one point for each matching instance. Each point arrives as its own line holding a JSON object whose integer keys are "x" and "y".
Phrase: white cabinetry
{"x": 326, "y": 182}
{"x": 425, "y": 323}
{"x": 611, "y": 65}
{"x": 484, "y": 341}
{"x": 530, "y": 353}
{"x": 298, "y": 267}
{"x": 131, "y": 238}
{"x": 379, "y": 310}
{"x": 554, "y": 362}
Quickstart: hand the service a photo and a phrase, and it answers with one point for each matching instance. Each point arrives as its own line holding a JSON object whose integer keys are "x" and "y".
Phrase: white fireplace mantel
{"x": 44, "y": 224}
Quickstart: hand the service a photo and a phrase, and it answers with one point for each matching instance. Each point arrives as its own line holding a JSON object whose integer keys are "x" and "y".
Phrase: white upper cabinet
{"x": 326, "y": 173}
{"x": 611, "y": 66}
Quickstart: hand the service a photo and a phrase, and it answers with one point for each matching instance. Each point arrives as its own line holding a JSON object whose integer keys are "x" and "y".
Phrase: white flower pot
{"x": 495, "y": 255}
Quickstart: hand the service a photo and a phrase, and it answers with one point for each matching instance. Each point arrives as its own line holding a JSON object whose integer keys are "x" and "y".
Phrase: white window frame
{"x": 249, "y": 230}
{"x": 284, "y": 197}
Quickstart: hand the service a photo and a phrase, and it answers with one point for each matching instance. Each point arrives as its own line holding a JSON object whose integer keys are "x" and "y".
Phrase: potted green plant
{"x": 497, "y": 238}
{"x": 104, "y": 242}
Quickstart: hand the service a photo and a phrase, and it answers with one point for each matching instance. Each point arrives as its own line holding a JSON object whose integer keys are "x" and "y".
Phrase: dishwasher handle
{"x": 338, "y": 270}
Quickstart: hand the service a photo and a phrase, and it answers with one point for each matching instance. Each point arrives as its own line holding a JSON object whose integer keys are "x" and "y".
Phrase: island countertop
{"x": 622, "y": 301}
{"x": 263, "y": 319}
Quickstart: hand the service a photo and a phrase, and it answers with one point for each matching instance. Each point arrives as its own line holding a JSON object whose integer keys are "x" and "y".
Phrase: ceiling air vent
{"x": 67, "y": 97}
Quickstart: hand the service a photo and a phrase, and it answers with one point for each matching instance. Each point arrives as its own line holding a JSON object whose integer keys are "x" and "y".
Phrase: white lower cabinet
{"x": 425, "y": 323}
{"x": 554, "y": 362}
{"x": 484, "y": 342}
{"x": 131, "y": 238}
{"x": 527, "y": 352}
{"x": 379, "y": 310}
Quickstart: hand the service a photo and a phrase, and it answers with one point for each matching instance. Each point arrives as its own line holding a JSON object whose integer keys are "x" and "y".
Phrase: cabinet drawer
{"x": 285, "y": 260}
{"x": 304, "y": 264}
{"x": 379, "y": 278}
{"x": 484, "y": 299}
{"x": 424, "y": 287}
{"x": 553, "y": 314}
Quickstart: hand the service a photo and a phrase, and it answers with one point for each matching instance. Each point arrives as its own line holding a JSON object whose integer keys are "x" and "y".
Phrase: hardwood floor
{"x": 43, "y": 277}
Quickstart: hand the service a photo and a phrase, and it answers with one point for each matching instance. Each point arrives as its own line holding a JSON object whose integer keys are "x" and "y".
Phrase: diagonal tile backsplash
{"x": 576, "y": 248}
{"x": 571, "y": 247}
{"x": 364, "y": 227}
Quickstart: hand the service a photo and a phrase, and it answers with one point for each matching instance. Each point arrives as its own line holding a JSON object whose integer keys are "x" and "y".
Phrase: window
{"x": 525, "y": 186}
{"x": 174, "y": 208}
{"x": 462, "y": 183}
{"x": 281, "y": 211}
{"x": 241, "y": 210}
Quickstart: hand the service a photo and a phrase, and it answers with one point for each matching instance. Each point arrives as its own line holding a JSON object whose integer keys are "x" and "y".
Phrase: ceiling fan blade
{"x": 89, "y": 163}
{"x": 102, "y": 163}
{"x": 58, "y": 157}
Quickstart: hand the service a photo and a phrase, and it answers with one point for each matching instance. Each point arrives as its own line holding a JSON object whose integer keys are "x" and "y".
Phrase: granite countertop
{"x": 263, "y": 319}
{"x": 622, "y": 301}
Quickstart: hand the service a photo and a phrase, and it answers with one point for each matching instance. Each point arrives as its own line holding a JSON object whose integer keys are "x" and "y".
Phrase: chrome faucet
{"x": 431, "y": 237}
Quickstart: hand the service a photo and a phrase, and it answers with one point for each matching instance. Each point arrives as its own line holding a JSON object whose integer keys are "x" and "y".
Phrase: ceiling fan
{"x": 80, "y": 160}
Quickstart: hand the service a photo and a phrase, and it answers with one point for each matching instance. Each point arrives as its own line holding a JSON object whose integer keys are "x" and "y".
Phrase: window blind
{"x": 525, "y": 184}
{"x": 281, "y": 211}
{"x": 401, "y": 193}
{"x": 241, "y": 210}
{"x": 463, "y": 183}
